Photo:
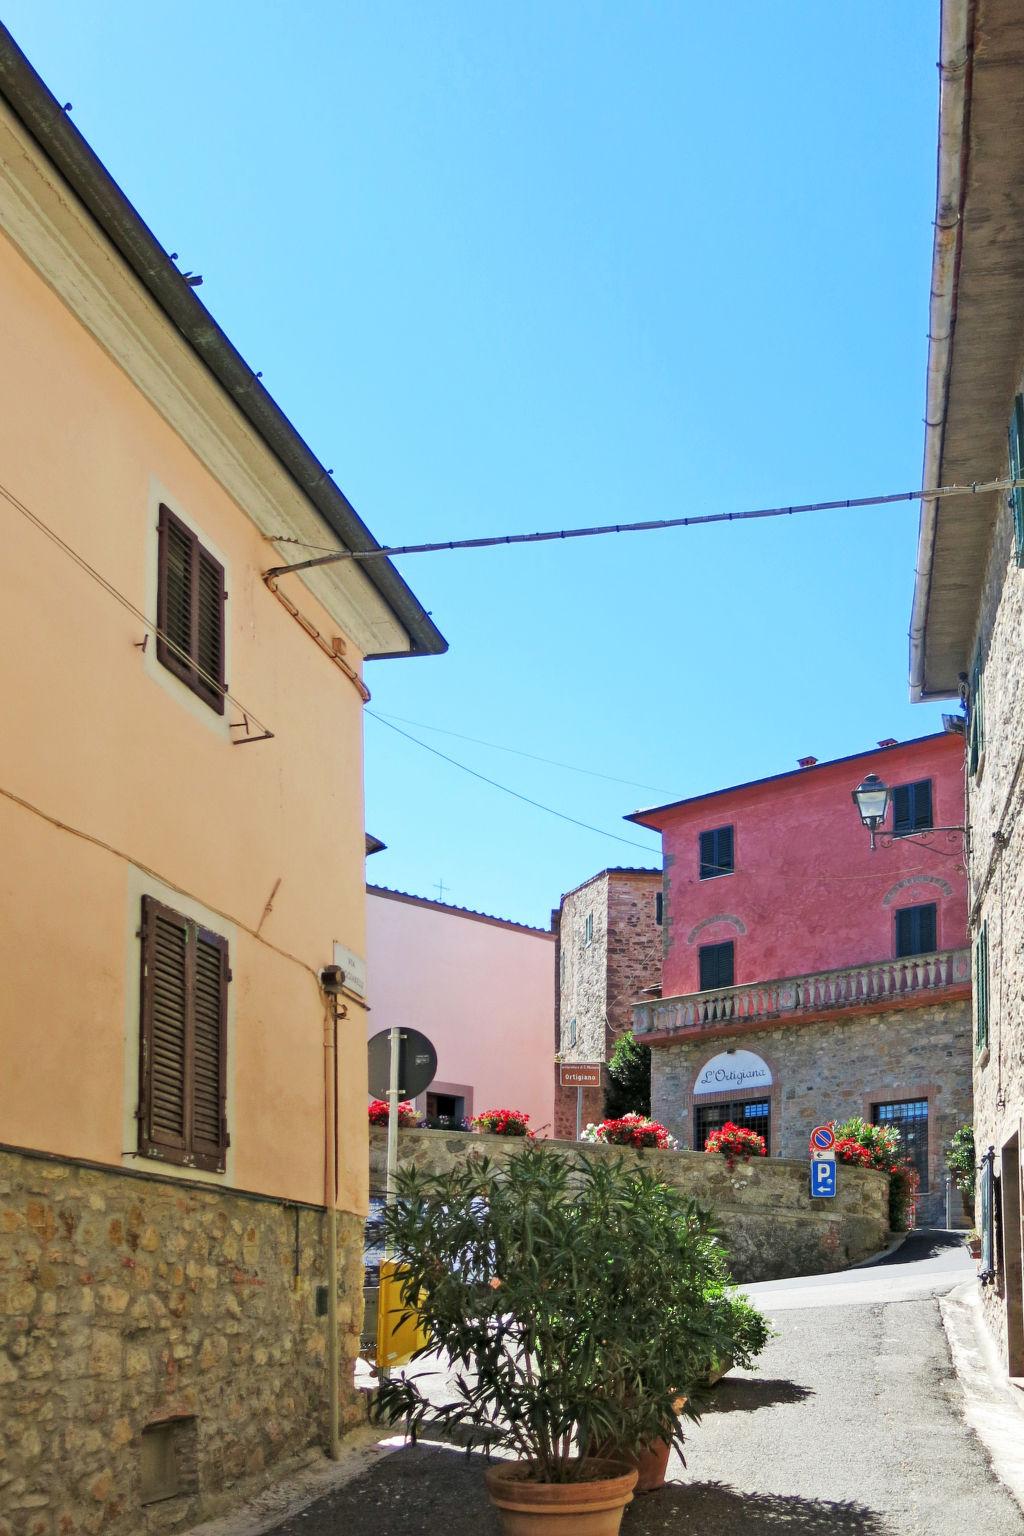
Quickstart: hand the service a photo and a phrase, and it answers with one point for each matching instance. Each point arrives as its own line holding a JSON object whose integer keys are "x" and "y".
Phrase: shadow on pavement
{"x": 714, "y": 1509}
{"x": 419, "y": 1489}
{"x": 929, "y": 1243}
{"x": 743, "y": 1394}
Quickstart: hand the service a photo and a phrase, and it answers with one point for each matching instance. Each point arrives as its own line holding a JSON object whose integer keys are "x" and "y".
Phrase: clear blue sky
{"x": 531, "y": 265}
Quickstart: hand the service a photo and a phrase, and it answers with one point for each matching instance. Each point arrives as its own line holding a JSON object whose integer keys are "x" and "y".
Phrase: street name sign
{"x": 580, "y": 1074}
{"x": 823, "y": 1180}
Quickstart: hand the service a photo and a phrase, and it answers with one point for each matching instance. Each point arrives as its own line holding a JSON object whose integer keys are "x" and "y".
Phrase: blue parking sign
{"x": 823, "y": 1180}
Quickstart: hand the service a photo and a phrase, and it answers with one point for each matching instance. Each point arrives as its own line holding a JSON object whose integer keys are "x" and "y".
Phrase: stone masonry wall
{"x": 634, "y": 946}
{"x": 828, "y": 1071}
{"x": 129, "y": 1301}
{"x": 599, "y": 982}
{"x": 996, "y": 895}
{"x": 768, "y": 1221}
{"x": 582, "y": 993}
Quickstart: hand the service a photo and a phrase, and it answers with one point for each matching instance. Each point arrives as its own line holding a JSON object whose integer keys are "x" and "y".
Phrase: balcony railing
{"x": 883, "y": 984}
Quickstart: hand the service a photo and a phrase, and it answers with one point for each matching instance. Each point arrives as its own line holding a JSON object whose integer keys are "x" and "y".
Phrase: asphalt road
{"x": 852, "y": 1426}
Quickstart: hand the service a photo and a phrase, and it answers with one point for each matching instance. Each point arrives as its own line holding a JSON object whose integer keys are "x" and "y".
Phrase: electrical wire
{"x": 650, "y": 525}
{"x": 518, "y": 752}
{"x": 148, "y": 624}
{"x": 629, "y": 841}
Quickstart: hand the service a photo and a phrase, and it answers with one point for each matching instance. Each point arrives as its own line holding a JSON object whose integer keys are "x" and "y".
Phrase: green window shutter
{"x": 1016, "y": 457}
{"x": 912, "y": 807}
{"x": 717, "y": 965}
{"x": 981, "y": 987}
{"x": 976, "y": 727}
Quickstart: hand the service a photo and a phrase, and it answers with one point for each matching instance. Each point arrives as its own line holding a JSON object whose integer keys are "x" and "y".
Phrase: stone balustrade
{"x": 882, "y": 984}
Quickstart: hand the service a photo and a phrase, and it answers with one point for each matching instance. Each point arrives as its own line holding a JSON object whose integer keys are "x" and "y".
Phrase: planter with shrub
{"x": 503, "y": 1122}
{"x": 631, "y": 1131}
{"x": 878, "y": 1146}
{"x": 735, "y": 1142}
{"x": 409, "y": 1117}
{"x": 576, "y": 1302}
{"x": 962, "y": 1164}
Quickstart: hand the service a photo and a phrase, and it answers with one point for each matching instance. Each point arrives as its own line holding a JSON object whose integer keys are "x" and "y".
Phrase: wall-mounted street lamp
{"x": 871, "y": 797}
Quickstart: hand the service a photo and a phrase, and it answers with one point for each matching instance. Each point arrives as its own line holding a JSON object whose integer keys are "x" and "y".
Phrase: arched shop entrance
{"x": 736, "y": 1086}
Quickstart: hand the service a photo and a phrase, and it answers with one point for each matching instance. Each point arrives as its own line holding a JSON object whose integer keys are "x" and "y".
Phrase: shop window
{"x": 751, "y": 1114}
{"x": 910, "y": 1118}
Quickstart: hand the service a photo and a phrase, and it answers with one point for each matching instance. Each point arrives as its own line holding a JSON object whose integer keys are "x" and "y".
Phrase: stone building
{"x": 968, "y": 614}
{"x": 480, "y": 988}
{"x": 807, "y": 977}
{"x": 608, "y": 952}
{"x": 182, "y": 1100}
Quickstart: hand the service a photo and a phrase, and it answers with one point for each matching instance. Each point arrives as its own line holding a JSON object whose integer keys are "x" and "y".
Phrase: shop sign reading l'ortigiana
{"x": 741, "y": 1071}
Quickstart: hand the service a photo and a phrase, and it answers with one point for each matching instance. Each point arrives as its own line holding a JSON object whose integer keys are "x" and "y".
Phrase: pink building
{"x": 482, "y": 989}
{"x": 806, "y": 977}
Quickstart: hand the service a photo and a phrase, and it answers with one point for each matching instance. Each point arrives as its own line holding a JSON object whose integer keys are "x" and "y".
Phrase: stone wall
{"x": 599, "y": 981}
{"x": 768, "y": 1221}
{"x": 996, "y": 895}
{"x": 127, "y": 1302}
{"x": 831, "y": 1070}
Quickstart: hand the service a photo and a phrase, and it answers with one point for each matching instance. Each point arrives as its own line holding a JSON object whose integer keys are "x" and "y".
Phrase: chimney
{"x": 889, "y": 741}
{"x": 807, "y": 762}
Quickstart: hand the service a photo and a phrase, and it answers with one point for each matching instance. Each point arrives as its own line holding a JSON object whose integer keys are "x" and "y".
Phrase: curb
{"x": 992, "y": 1407}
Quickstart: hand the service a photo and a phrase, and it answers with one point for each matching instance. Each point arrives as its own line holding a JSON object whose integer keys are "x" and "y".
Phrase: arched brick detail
{"x": 719, "y": 917}
{"x": 902, "y": 885}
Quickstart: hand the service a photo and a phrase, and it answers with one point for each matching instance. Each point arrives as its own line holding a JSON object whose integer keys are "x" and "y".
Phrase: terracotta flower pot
{"x": 590, "y": 1508}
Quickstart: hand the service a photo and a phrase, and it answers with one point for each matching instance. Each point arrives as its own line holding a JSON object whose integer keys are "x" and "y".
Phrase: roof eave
{"x": 40, "y": 113}
{"x": 954, "y": 107}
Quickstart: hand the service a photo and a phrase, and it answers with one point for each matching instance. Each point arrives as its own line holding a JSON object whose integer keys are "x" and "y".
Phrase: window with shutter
{"x": 190, "y": 611}
{"x": 716, "y": 965}
{"x": 1016, "y": 461}
{"x": 976, "y": 719}
{"x": 716, "y": 853}
{"x": 912, "y": 807}
{"x": 916, "y": 930}
{"x": 981, "y": 988}
{"x": 183, "y": 1040}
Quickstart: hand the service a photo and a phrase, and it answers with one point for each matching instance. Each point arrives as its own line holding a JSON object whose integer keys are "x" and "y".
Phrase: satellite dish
{"x": 417, "y": 1063}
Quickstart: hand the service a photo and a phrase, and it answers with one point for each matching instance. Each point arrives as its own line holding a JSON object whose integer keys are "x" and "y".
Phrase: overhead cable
{"x": 629, "y": 841}
{"x": 551, "y": 762}
{"x": 386, "y": 551}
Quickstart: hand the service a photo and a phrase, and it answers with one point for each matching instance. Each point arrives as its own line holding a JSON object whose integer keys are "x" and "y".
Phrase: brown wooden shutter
{"x": 190, "y": 610}
{"x": 209, "y": 1050}
{"x": 183, "y": 1040}
{"x": 164, "y": 1033}
{"x": 209, "y": 631}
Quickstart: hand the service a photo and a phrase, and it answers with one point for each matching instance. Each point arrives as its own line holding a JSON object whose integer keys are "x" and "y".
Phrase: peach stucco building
{"x": 181, "y": 812}
{"x": 482, "y": 989}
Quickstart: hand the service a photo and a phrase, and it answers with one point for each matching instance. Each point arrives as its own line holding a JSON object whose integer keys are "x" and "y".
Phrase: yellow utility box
{"x": 400, "y": 1331}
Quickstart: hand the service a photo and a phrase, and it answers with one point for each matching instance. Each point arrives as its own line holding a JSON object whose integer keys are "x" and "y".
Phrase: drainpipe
{"x": 331, "y": 1206}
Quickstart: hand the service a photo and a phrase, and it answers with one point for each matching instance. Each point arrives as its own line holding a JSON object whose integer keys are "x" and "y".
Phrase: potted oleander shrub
{"x": 573, "y": 1301}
